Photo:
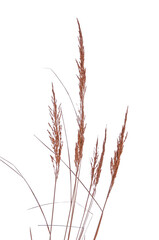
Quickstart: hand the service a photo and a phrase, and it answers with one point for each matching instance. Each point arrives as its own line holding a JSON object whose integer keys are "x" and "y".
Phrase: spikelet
{"x": 115, "y": 161}
{"x": 100, "y": 162}
{"x": 94, "y": 162}
{"x": 55, "y": 135}
{"x": 82, "y": 90}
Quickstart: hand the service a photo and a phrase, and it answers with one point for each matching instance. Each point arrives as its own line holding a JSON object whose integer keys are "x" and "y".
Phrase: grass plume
{"x": 82, "y": 90}
{"x": 96, "y": 168}
{"x": 81, "y": 127}
{"x": 56, "y": 143}
{"x": 114, "y": 165}
{"x": 55, "y": 135}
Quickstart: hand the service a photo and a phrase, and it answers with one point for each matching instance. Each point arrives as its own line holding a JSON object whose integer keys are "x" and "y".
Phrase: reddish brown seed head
{"x": 55, "y": 134}
{"x": 82, "y": 90}
{"x": 115, "y": 161}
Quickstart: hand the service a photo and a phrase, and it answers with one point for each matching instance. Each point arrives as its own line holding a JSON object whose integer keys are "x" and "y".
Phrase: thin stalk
{"x": 57, "y": 225}
{"x": 64, "y": 88}
{"x": 84, "y": 211}
{"x": 53, "y": 205}
{"x": 3, "y": 160}
{"x": 72, "y": 173}
{"x": 87, "y": 226}
{"x": 85, "y": 220}
{"x": 19, "y": 173}
{"x": 38, "y": 204}
{"x": 95, "y": 236}
{"x": 46, "y": 204}
{"x": 31, "y": 235}
{"x": 74, "y": 202}
{"x": 68, "y": 157}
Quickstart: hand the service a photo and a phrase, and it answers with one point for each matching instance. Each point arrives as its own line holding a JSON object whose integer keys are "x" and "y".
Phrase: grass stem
{"x": 53, "y": 205}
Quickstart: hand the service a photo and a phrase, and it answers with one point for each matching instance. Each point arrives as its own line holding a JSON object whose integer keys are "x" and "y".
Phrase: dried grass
{"x": 56, "y": 142}
{"x": 81, "y": 125}
{"x": 82, "y": 90}
{"x": 55, "y": 136}
{"x": 114, "y": 165}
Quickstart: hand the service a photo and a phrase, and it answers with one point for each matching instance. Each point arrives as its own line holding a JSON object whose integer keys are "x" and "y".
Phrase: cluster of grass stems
{"x": 55, "y": 135}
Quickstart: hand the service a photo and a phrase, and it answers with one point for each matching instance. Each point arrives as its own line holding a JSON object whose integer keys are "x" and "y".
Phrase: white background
{"x": 121, "y": 41}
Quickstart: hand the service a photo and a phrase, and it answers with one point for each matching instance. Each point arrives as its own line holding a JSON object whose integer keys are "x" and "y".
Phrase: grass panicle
{"x": 100, "y": 163}
{"x": 94, "y": 161}
{"x": 56, "y": 142}
{"x": 81, "y": 127}
{"x": 96, "y": 168}
{"x": 115, "y": 161}
{"x": 82, "y": 90}
{"x": 56, "y": 132}
{"x": 93, "y": 167}
{"x": 114, "y": 165}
